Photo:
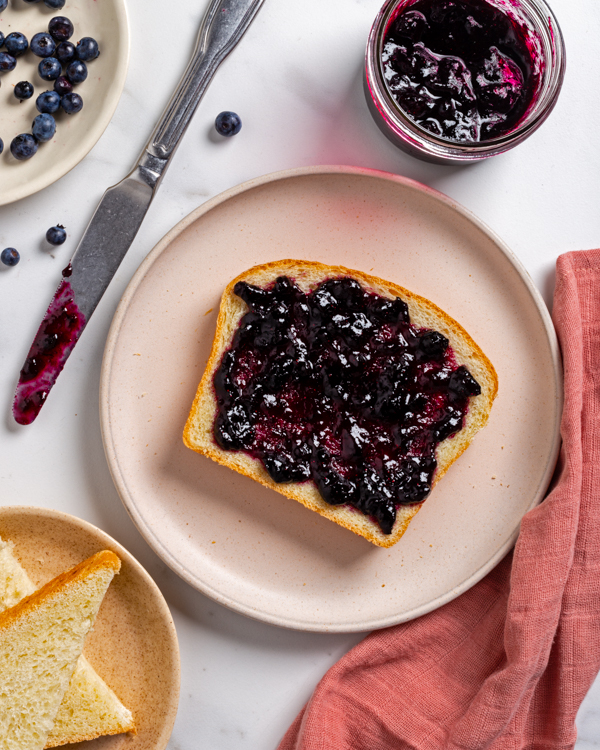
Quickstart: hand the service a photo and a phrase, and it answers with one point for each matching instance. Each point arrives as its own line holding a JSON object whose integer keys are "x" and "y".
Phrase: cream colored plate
{"x": 106, "y": 21}
{"x": 253, "y": 549}
{"x": 133, "y": 645}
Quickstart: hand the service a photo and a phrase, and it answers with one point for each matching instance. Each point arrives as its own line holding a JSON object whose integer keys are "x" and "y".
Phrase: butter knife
{"x": 120, "y": 213}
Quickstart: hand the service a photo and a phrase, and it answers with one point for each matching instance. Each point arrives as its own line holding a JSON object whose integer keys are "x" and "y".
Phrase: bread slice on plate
{"x": 89, "y": 708}
{"x": 199, "y": 433}
{"x": 41, "y": 639}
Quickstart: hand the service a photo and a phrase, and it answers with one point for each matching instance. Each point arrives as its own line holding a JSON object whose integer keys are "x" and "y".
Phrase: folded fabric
{"x": 506, "y": 665}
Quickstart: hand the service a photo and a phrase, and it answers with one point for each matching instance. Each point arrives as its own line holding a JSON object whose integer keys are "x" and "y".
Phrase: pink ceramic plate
{"x": 252, "y": 549}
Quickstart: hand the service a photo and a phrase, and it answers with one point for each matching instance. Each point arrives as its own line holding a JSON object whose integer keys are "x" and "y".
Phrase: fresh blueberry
{"x": 60, "y": 29}
{"x": 228, "y": 124}
{"x": 48, "y": 102}
{"x": 71, "y": 103}
{"x": 1, "y": 34}
{"x": 23, "y": 147}
{"x": 3, "y": 6}
{"x": 87, "y": 49}
{"x": 49, "y": 69}
{"x": 76, "y": 71}
{"x": 7, "y": 63}
{"x": 1, "y": 145}
{"x": 23, "y": 90}
{"x": 65, "y": 52}
{"x": 56, "y": 235}
{"x": 10, "y": 256}
{"x": 43, "y": 45}
{"x": 63, "y": 86}
{"x": 43, "y": 128}
{"x": 54, "y": 4}
{"x": 16, "y": 44}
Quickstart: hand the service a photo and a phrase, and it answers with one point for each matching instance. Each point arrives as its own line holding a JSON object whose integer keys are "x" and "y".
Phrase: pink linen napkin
{"x": 506, "y": 665}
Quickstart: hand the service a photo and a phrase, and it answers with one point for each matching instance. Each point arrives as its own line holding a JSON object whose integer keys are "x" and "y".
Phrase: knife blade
{"x": 121, "y": 211}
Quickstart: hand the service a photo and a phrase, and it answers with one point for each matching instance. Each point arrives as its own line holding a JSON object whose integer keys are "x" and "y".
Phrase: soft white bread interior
{"x": 198, "y": 432}
{"x": 41, "y": 639}
{"x": 89, "y": 708}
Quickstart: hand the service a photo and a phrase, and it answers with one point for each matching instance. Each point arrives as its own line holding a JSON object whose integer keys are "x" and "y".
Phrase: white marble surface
{"x": 296, "y": 82}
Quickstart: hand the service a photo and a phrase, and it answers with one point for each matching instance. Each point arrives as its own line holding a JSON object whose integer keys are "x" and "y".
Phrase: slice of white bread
{"x": 198, "y": 432}
{"x": 89, "y": 708}
{"x": 41, "y": 639}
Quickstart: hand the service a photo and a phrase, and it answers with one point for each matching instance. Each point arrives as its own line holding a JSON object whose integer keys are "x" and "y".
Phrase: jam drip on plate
{"x": 56, "y": 337}
{"x": 461, "y": 69}
{"x": 339, "y": 387}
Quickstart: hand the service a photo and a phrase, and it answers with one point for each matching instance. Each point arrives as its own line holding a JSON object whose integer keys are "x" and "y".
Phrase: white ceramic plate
{"x": 133, "y": 645}
{"x": 263, "y": 554}
{"x": 106, "y": 21}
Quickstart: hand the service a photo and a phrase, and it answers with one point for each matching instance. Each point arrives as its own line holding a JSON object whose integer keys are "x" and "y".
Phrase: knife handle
{"x": 222, "y": 28}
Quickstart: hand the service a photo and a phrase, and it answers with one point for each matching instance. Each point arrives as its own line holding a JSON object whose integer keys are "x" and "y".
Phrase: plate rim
{"x": 112, "y": 458}
{"x": 98, "y": 126}
{"x": 124, "y": 554}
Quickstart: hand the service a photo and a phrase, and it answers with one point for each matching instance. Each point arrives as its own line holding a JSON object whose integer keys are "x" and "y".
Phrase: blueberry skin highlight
{"x": 23, "y": 147}
{"x": 43, "y": 45}
{"x": 87, "y": 49}
{"x": 71, "y": 103}
{"x": 56, "y": 235}
{"x": 7, "y": 62}
{"x": 23, "y": 90}
{"x": 16, "y": 44}
{"x": 43, "y": 128}
{"x": 49, "y": 69}
{"x": 48, "y": 102}
{"x": 228, "y": 124}
{"x": 76, "y": 72}
{"x": 65, "y": 52}
{"x": 9, "y": 256}
{"x": 61, "y": 28}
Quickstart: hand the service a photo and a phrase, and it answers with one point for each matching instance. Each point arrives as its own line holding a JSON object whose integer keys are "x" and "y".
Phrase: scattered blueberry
{"x": 54, "y": 4}
{"x": 7, "y": 62}
{"x": 43, "y": 128}
{"x": 49, "y": 69}
{"x": 43, "y": 45}
{"x": 76, "y": 71}
{"x": 60, "y": 29}
{"x": 71, "y": 103}
{"x": 48, "y": 102}
{"x": 3, "y": 5}
{"x": 1, "y": 145}
{"x": 10, "y": 256}
{"x": 1, "y": 34}
{"x": 16, "y": 44}
{"x": 87, "y": 49}
{"x": 228, "y": 124}
{"x": 23, "y": 147}
{"x": 56, "y": 235}
{"x": 63, "y": 86}
{"x": 65, "y": 52}
{"x": 23, "y": 90}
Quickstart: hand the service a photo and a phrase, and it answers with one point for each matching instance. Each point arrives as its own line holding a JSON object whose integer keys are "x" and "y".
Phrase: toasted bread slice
{"x": 41, "y": 639}
{"x": 89, "y": 708}
{"x": 198, "y": 433}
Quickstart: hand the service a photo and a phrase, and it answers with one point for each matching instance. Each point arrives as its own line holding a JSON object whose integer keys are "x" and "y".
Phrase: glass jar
{"x": 546, "y": 45}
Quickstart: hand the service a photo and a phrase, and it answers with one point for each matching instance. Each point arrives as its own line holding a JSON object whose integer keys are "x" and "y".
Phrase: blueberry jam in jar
{"x": 337, "y": 386}
{"x": 459, "y": 68}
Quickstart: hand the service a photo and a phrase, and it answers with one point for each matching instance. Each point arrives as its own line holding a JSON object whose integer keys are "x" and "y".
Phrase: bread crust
{"x": 198, "y": 431}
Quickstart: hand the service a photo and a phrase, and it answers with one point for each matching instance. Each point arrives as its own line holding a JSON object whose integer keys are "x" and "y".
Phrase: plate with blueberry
{"x": 62, "y": 71}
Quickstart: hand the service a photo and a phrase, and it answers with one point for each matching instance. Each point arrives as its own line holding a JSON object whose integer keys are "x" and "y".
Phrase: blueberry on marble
{"x": 71, "y": 103}
{"x": 87, "y": 49}
{"x": 228, "y": 124}
{"x": 49, "y": 69}
{"x": 56, "y": 235}
{"x": 63, "y": 86}
{"x": 76, "y": 72}
{"x": 23, "y": 90}
{"x": 23, "y": 147}
{"x": 16, "y": 44}
{"x": 48, "y": 102}
{"x": 61, "y": 28}
{"x": 9, "y": 256}
{"x": 65, "y": 52}
{"x": 7, "y": 62}
{"x": 43, "y": 45}
{"x": 43, "y": 128}
{"x": 54, "y": 4}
